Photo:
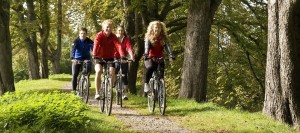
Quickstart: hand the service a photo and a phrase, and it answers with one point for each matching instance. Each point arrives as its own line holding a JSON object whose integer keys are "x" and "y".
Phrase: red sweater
{"x": 156, "y": 50}
{"x": 105, "y": 47}
{"x": 126, "y": 47}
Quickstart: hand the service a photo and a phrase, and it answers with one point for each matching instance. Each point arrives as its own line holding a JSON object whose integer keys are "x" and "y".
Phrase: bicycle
{"x": 157, "y": 89}
{"x": 83, "y": 81}
{"x": 119, "y": 83}
{"x": 106, "y": 93}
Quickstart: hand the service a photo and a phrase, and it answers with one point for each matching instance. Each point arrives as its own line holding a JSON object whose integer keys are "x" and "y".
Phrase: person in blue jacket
{"x": 80, "y": 51}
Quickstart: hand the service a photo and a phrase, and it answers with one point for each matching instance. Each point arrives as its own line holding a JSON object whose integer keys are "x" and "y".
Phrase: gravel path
{"x": 138, "y": 122}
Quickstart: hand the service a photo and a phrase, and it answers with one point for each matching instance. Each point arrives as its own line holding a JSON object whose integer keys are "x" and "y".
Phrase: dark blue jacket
{"x": 81, "y": 50}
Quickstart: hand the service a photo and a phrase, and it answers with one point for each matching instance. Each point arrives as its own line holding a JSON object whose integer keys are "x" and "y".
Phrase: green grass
{"x": 205, "y": 117}
{"x": 99, "y": 122}
{"x": 208, "y": 117}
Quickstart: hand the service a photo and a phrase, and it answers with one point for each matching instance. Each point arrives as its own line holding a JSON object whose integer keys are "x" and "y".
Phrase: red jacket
{"x": 126, "y": 47}
{"x": 156, "y": 50}
{"x": 105, "y": 47}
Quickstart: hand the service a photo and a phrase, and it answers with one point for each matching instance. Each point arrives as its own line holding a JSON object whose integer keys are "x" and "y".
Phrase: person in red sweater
{"x": 156, "y": 40}
{"x": 126, "y": 47}
{"x": 106, "y": 44}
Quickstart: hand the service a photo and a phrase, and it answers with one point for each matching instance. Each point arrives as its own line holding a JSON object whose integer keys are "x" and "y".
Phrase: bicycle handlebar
{"x": 81, "y": 61}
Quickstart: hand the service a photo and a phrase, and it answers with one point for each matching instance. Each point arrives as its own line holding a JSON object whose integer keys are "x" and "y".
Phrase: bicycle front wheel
{"x": 79, "y": 86}
{"x": 151, "y": 96}
{"x": 85, "y": 90}
{"x": 109, "y": 96}
{"x": 102, "y": 95}
{"x": 161, "y": 97}
{"x": 119, "y": 91}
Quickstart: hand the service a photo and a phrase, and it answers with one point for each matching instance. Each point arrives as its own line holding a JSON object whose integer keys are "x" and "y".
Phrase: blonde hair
{"x": 150, "y": 32}
{"x": 108, "y": 21}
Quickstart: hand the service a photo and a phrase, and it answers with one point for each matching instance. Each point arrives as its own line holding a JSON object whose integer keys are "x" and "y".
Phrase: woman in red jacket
{"x": 156, "y": 40}
{"x": 105, "y": 45}
{"x": 126, "y": 47}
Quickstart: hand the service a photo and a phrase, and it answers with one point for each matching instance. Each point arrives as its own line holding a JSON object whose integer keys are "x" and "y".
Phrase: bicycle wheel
{"x": 102, "y": 95}
{"x": 79, "y": 86}
{"x": 119, "y": 90}
{"x": 108, "y": 96}
{"x": 161, "y": 97}
{"x": 85, "y": 89}
{"x": 151, "y": 96}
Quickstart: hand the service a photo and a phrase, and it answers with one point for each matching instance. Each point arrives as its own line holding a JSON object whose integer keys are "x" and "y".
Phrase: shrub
{"x": 39, "y": 112}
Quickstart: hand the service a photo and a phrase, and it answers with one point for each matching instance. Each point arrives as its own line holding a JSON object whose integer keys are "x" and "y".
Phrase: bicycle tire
{"x": 151, "y": 96}
{"x": 161, "y": 97}
{"x": 85, "y": 89}
{"x": 102, "y": 96}
{"x": 119, "y": 92}
{"x": 79, "y": 86}
{"x": 108, "y": 97}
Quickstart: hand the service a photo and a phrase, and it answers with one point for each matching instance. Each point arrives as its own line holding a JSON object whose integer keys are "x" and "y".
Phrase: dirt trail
{"x": 138, "y": 122}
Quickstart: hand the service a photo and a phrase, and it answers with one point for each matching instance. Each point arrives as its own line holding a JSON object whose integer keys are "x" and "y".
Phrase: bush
{"x": 39, "y": 112}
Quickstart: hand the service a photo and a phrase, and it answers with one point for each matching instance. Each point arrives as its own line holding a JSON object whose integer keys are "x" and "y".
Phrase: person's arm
{"x": 129, "y": 48}
{"x": 91, "y": 44}
{"x": 147, "y": 48}
{"x": 96, "y": 46}
{"x": 169, "y": 51}
{"x": 72, "y": 51}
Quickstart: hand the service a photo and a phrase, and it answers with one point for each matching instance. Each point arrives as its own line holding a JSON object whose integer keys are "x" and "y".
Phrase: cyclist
{"x": 80, "y": 51}
{"x": 126, "y": 46}
{"x": 105, "y": 45}
{"x": 156, "y": 40}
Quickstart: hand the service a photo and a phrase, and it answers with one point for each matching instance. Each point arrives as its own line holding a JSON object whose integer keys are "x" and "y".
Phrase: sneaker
{"x": 125, "y": 97}
{"x": 146, "y": 88}
{"x": 97, "y": 97}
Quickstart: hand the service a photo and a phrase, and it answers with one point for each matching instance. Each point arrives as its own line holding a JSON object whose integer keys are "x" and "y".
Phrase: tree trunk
{"x": 130, "y": 28}
{"x": 6, "y": 71}
{"x": 44, "y": 33}
{"x": 55, "y": 54}
{"x": 195, "y": 65}
{"x": 139, "y": 50}
{"x": 283, "y": 58}
{"x": 31, "y": 42}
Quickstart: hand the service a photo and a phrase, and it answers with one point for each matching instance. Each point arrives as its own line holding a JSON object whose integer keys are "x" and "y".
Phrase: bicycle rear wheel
{"x": 85, "y": 89}
{"x": 108, "y": 96}
{"x": 102, "y": 95}
{"x": 161, "y": 97}
{"x": 151, "y": 96}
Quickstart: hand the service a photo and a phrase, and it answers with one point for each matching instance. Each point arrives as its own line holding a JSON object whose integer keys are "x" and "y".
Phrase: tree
{"x": 6, "y": 72}
{"x": 282, "y": 101}
{"x": 44, "y": 34}
{"x": 237, "y": 55}
{"x": 27, "y": 28}
{"x": 55, "y": 55}
{"x": 195, "y": 65}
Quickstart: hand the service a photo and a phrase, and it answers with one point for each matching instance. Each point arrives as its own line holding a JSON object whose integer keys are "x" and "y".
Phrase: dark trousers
{"x": 151, "y": 67}
{"x": 124, "y": 67}
{"x": 75, "y": 72}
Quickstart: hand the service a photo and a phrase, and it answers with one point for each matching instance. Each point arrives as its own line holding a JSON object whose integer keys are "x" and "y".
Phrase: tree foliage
{"x": 238, "y": 54}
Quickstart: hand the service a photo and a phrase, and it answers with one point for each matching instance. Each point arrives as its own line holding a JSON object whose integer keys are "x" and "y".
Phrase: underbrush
{"x": 40, "y": 112}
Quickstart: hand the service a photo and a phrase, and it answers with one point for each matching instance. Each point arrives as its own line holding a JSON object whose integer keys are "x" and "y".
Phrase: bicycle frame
{"x": 157, "y": 89}
{"x": 119, "y": 82}
{"x": 106, "y": 93}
